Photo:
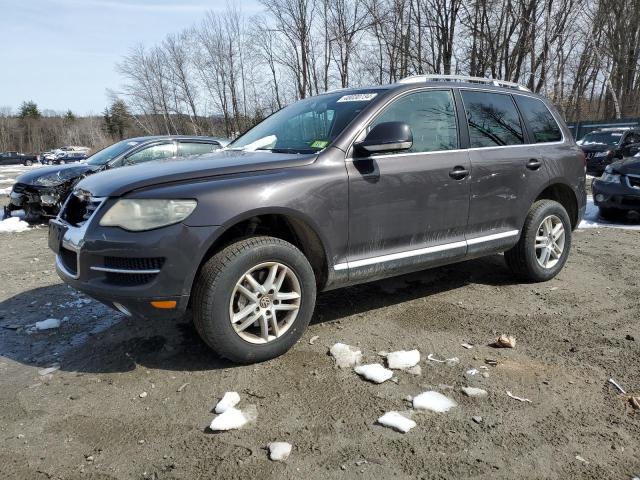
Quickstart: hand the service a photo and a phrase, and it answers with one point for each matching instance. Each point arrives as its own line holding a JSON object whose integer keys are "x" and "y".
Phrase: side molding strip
{"x": 423, "y": 251}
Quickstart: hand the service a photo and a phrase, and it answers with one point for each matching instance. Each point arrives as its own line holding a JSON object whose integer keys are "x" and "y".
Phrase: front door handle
{"x": 458, "y": 173}
{"x": 534, "y": 164}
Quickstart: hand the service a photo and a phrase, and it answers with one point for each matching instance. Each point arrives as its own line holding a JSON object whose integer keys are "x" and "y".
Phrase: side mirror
{"x": 387, "y": 137}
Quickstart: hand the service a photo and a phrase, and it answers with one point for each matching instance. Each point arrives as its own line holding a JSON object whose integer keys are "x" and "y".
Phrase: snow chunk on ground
{"x": 345, "y": 355}
{"x": 229, "y": 400}
{"x": 279, "y": 451}
{"x": 396, "y": 421}
{"x": 374, "y": 372}
{"x": 233, "y": 419}
{"x": 13, "y": 225}
{"x": 48, "y": 324}
{"x": 433, "y": 401}
{"x": 474, "y": 392}
{"x": 403, "y": 359}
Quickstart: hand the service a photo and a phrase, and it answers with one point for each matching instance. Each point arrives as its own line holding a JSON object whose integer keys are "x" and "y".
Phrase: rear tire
{"x": 539, "y": 255}
{"x": 223, "y": 291}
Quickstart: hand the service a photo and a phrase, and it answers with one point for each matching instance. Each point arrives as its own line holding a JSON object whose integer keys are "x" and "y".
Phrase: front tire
{"x": 544, "y": 243}
{"x": 253, "y": 299}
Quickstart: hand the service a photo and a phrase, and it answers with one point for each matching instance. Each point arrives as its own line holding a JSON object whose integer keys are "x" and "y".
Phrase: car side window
{"x": 632, "y": 138}
{"x": 492, "y": 118}
{"x": 431, "y": 115}
{"x": 193, "y": 148}
{"x": 540, "y": 120}
{"x": 154, "y": 152}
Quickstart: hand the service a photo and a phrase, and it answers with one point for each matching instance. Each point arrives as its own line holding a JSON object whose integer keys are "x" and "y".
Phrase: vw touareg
{"x": 338, "y": 189}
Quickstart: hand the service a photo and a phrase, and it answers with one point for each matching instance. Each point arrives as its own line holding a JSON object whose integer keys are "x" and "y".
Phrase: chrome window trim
{"x": 423, "y": 251}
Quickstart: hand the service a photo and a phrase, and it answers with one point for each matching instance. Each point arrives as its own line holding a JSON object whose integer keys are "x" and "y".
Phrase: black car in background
{"x": 17, "y": 158}
{"x": 41, "y": 192}
{"x": 604, "y": 146}
{"x": 67, "y": 157}
{"x": 617, "y": 191}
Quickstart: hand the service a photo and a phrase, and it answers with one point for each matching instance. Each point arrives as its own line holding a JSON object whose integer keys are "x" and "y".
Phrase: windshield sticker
{"x": 319, "y": 144}
{"x": 357, "y": 97}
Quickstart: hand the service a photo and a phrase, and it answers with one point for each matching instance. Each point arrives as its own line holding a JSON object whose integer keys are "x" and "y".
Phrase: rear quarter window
{"x": 541, "y": 122}
{"x": 492, "y": 118}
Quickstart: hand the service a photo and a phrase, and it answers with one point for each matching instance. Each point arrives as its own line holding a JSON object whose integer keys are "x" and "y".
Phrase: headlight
{"x": 609, "y": 177}
{"x": 147, "y": 214}
{"x": 601, "y": 154}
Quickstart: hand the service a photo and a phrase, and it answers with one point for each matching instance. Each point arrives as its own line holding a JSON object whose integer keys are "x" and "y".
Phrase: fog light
{"x": 600, "y": 197}
{"x": 164, "y": 304}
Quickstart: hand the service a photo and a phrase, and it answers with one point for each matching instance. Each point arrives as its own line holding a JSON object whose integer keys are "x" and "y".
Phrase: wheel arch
{"x": 286, "y": 224}
{"x": 565, "y": 196}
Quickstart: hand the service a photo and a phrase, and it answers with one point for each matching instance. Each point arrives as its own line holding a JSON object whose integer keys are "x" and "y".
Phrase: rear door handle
{"x": 458, "y": 173}
{"x": 534, "y": 164}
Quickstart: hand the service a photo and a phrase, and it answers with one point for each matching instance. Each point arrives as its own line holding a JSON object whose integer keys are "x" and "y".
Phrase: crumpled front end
{"x": 36, "y": 202}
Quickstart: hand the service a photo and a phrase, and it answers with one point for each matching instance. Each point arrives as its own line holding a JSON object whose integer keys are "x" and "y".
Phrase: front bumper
{"x": 36, "y": 202}
{"x": 621, "y": 196}
{"x": 128, "y": 270}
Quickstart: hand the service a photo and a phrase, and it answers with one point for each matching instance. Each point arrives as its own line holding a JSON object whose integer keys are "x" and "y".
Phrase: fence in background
{"x": 580, "y": 129}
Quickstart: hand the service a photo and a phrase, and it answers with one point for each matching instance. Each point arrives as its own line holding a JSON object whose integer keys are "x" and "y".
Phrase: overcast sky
{"x": 62, "y": 53}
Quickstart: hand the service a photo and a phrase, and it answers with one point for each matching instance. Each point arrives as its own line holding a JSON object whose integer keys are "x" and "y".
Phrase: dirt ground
{"x": 87, "y": 419}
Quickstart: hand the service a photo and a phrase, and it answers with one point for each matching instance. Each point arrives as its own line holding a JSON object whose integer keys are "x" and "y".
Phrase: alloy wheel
{"x": 265, "y": 302}
{"x": 550, "y": 241}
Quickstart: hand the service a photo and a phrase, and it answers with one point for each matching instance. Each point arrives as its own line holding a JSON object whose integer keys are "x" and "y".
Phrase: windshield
{"x": 602, "y": 138}
{"x": 113, "y": 151}
{"x": 306, "y": 126}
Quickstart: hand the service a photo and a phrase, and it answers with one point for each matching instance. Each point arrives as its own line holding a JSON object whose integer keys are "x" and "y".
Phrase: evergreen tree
{"x": 29, "y": 109}
{"x": 69, "y": 117}
{"x": 117, "y": 119}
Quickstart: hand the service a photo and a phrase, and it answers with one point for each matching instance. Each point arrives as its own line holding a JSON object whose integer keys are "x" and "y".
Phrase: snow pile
{"x": 233, "y": 419}
{"x": 48, "y": 324}
{"x": 592, "y": 219}
{"x": 229, "y": 400}
{"x": 396, "y": 421}
{"x": 13, "y": 225}
{"x": 374, "y": 372}
{"x": 5, "y": 191}
{"x": 474, "y": 392}
{"x": 345, "y": 355}
{"x": 403, "y": 359}
{"x": 279, "y": 451}
{"x": 433, "y": 401}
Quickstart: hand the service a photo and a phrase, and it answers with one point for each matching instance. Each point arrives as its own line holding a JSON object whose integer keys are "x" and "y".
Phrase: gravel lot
{"x": 87, "y": 419}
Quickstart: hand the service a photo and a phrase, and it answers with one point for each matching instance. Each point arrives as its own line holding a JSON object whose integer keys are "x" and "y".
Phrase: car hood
{"x": 54, "y": 175}
{"x": 630, "y": 166}
{"x": 116, "y": 182}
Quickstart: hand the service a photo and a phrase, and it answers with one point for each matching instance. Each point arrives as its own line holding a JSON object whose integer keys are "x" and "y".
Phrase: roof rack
{"x": 462, "y": 78}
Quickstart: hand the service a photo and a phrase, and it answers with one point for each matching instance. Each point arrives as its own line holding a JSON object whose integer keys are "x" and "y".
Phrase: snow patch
{"x": 279, "y": 451}
{"x": 374, "y": 372}
{"x": 474, "y": 392}
{"x": 434, "y": 402}
{"x": 345, "y": 355}
{"x": 229, "y": 400}
{"x": 592, "y": 219}
{"x": 48, "y": 324}
{"x": 233, "y": 419}
{"x": 13, "y": 225}
{"x": 396, "y": 421}
{"x": 403, "y": 359}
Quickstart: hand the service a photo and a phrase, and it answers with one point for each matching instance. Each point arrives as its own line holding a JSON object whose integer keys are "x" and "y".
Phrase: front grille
{"x": 590, "y": 155}
{"x": 79, "y": 209}
{"x": 69, "y": 260}
{"x": 123, "y": 263}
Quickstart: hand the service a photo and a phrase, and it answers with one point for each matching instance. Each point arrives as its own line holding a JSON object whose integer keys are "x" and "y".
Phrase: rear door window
{"x": 196, "y": 148}
{"x": 539, "y": 119}
{"x": 492, "y": 118}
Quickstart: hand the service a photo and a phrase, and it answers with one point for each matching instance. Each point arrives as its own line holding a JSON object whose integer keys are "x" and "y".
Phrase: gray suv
{"x": 342, "y": 188}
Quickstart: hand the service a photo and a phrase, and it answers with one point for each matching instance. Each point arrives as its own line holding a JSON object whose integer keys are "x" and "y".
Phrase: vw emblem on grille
{"x": 265, "y": 302}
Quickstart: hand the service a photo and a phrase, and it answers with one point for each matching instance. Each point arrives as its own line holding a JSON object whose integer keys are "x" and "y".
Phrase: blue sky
{"x": 62, "y": 53}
